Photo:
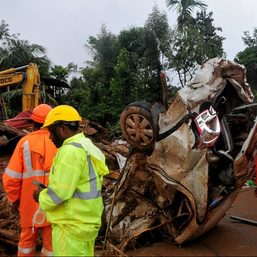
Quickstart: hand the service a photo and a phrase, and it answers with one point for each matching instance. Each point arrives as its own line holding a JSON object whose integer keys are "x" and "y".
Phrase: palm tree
{"x": 184, "y": 9}
{"x": 4, "y": 30}
{"x": 15, "y": 53}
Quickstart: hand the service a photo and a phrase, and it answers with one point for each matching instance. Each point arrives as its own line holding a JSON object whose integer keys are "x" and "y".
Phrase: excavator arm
{"x": 31, "y": 95}
{"x": 28, "y": 76}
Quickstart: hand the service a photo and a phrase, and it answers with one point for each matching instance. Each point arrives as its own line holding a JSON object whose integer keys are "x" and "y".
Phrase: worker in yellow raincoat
{"x": 73, "y": 202}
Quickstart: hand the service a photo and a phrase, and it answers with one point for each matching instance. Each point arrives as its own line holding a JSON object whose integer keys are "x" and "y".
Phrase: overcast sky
{"x": 64, "y": 26}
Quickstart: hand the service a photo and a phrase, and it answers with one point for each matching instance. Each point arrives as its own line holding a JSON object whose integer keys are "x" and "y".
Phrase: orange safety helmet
{"x": 40, "y": 112}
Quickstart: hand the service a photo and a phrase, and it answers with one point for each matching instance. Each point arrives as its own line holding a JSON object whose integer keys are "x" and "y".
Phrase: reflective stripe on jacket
{"x": 31, "y": 160}
{"x": 74, "y": 194}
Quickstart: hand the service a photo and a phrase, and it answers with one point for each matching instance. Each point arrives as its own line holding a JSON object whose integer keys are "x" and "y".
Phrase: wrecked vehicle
{"x": 188, "y": 160}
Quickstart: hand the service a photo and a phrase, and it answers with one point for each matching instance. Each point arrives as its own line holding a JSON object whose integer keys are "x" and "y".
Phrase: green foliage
{"x": 4, "y": 31}
{"x": 209, "y": 43}
{"x": 194, "y": 40}
{"x": 137, "y": 69}
{"x": 11, "y": 97}
{"x": 62, "y": 73}
{"x": 248, "y": 57}
{"x": 249, "y": 40}
{"x": 17, "y": 53}
{"x": 125, "y": 68}
{"x": 195, "y": 45}
{"x": 114, "y": 130}
{"x": 157, "y": 22}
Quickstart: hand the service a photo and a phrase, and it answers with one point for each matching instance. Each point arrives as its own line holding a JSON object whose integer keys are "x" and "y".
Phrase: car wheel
{"x": 137, "y": 125}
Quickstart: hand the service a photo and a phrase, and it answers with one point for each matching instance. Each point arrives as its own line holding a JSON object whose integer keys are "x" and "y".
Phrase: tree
{"x": 143, "y": 56}
{"x": 185, "y": 9}
{"x": 249, "y": 40}
{"x": 248, "y": 57}
{"x": 209, "y": 43}
{"x": 138, "y": 65}
{"x": 194, "y": 46}
{"x": 4, "y": 31}
{"x": 93, "y": 88}
{"x": 158, "y": 24}
{"x": 62, "y": 73}
{"x": 15, "y": 52}
{"x": 125, "y": 68}
{"x": 194, "y": 39}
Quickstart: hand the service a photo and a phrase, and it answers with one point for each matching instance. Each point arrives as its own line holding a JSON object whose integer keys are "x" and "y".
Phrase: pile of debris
{"x": 9, "y": 223}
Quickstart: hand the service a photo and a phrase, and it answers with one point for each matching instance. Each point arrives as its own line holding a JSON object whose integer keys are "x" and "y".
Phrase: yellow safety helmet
{"x": 62, "y": 113}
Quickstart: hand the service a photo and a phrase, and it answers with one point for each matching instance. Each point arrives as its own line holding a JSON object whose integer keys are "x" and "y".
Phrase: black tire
{"x": 137, "y": 125}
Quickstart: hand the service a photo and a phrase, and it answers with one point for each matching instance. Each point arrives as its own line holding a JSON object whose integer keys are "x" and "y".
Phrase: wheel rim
{"x": 139, "y": 129}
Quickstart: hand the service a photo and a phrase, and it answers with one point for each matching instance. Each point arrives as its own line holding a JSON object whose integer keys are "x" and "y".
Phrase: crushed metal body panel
{"x": 174, "y": 187}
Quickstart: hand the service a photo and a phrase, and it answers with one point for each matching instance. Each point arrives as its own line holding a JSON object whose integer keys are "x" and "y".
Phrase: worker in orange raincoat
{"x": 31, "y": 160}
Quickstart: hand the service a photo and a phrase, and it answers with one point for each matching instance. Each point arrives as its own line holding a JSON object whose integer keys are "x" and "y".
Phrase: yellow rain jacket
{"x": 73, "y": 197}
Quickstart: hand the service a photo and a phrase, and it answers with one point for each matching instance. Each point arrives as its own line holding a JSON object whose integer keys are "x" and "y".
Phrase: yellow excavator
{"x": 34, "y": 87}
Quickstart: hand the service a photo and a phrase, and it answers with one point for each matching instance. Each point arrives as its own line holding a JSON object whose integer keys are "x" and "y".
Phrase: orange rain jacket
{"x": 31, "y": 160}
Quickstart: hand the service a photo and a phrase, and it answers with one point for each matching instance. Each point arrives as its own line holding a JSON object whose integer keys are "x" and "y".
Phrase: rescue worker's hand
{"x": 15, "y": 207}
{"x": 36, "y": 194}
